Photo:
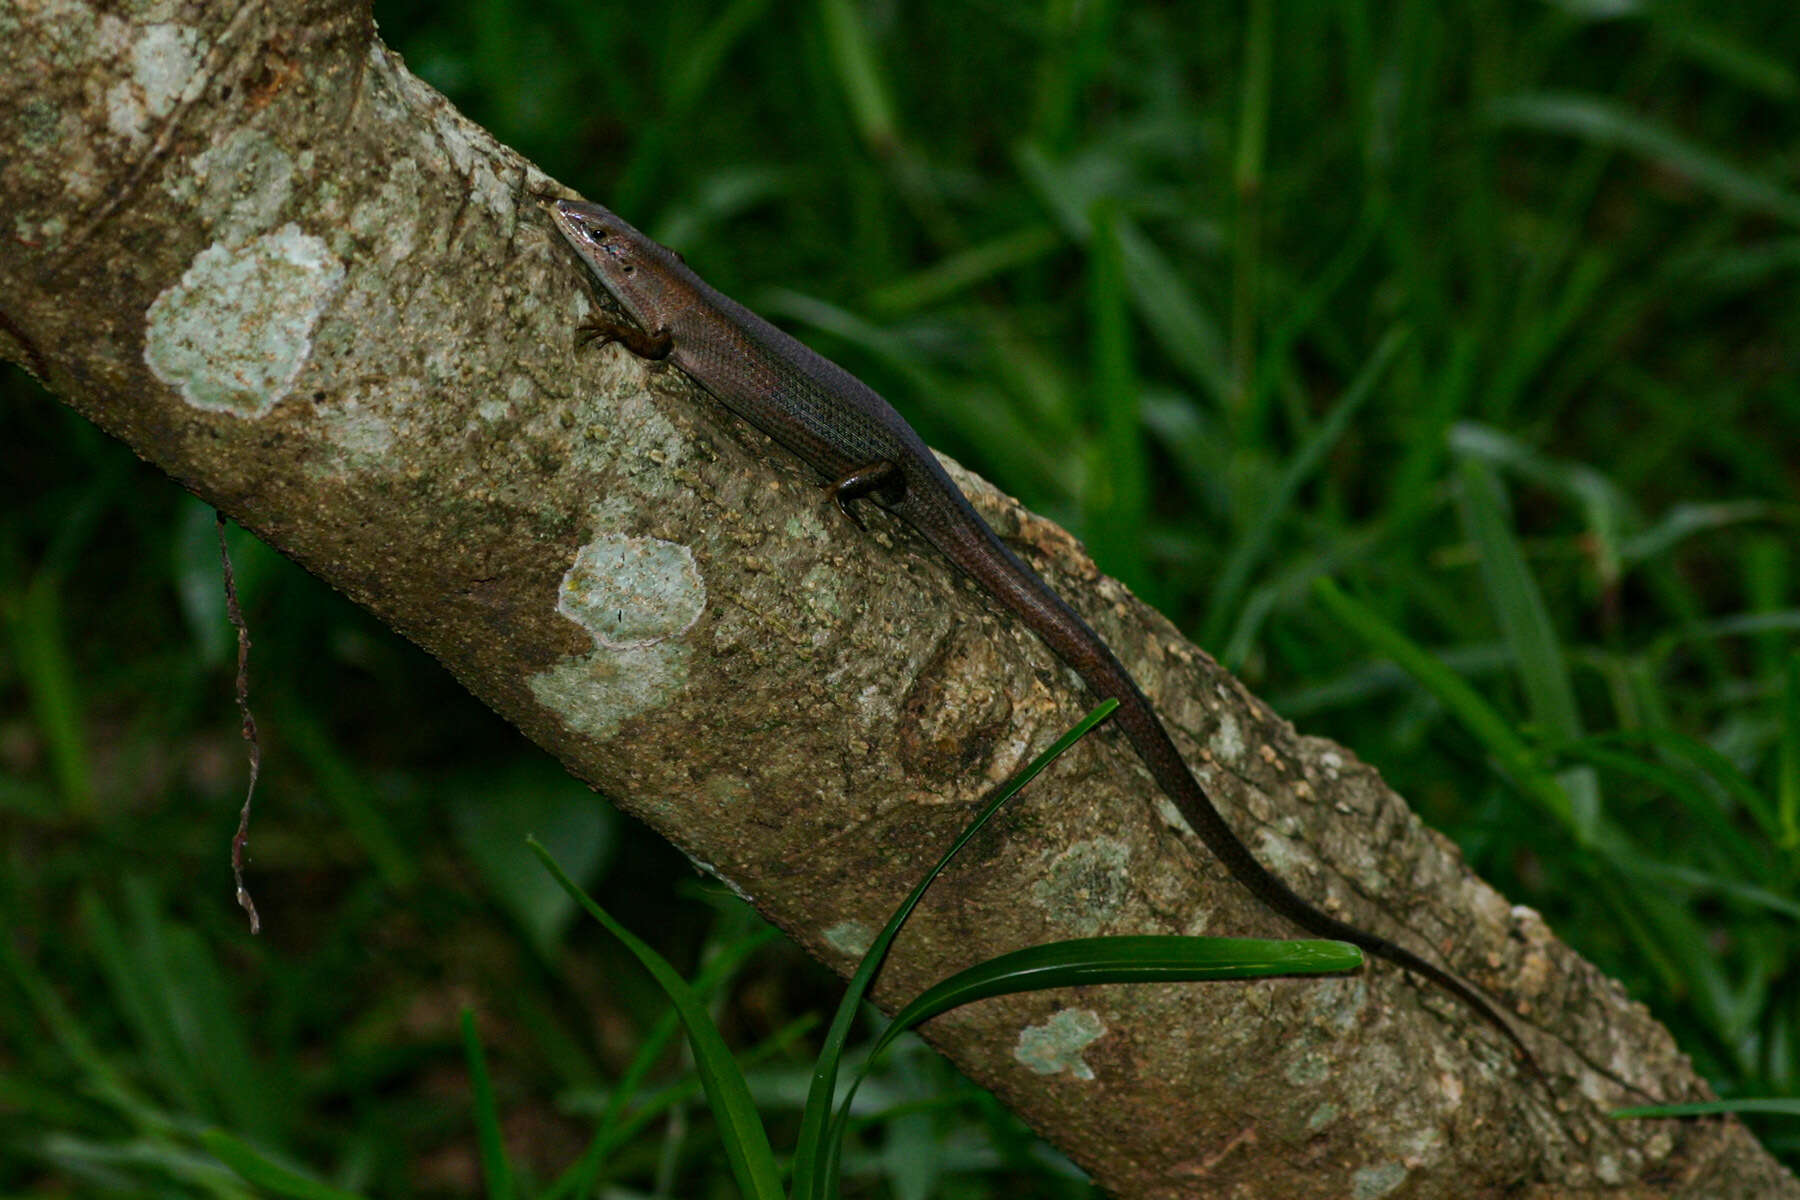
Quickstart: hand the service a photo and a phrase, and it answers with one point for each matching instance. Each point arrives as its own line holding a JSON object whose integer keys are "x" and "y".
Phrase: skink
{"x": 865, "y": 450}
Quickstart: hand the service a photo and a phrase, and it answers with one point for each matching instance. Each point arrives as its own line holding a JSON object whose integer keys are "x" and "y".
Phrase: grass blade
{"x": 1786, "y": 1106}
{"x": 815, "y": 1156}
{"x": 1606, "y": 123}
{"x": 344, "y": 786}
{"x": 1119, "y": 473}
{"x": 1082, "y": 961}
{"x": 1787, "y": 786}
{"x": 1249, "y": 550}
{"x": 853, "y": 58}
{"x": 617, "y": 1128}
{"x": 33, "y": 621}
{"x": 1713, "y": 820}
{"x": 1173, "y": 314}
{"x": 1524, "y": 620}
{"x": 496, "y": 1173}
{"x": 614, "y": 1126}
{"x": 1479, "y": 717}
{"x": 966, "y": 270}
{"x": 265, "y": 1173}
{"x": 1078, "y": 962}
{"x": 740, "y": 1129}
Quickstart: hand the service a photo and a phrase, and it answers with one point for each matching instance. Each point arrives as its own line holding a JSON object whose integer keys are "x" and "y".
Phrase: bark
{"x": 246, "y": 241}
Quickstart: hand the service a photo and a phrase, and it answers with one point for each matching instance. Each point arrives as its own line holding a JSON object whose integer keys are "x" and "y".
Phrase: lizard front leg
{"x": 644, "y": 343}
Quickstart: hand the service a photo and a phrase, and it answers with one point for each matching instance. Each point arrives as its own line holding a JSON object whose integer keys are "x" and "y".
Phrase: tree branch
{"x": 281, "y": 268}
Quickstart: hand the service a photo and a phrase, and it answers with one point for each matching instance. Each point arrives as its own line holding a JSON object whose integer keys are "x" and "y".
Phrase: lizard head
{"x": 628, "y": 264}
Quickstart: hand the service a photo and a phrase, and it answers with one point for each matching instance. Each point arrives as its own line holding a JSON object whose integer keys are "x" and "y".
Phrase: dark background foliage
{"x": 1486, "y": 314}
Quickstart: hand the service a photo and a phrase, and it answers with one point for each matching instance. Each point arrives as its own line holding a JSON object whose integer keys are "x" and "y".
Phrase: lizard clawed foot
{"x": 860, "y": 483}
{"x": 643, "y": 343}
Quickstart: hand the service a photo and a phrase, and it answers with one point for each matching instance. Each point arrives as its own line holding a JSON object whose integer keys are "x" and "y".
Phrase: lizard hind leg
{"x": 860, "y": 483}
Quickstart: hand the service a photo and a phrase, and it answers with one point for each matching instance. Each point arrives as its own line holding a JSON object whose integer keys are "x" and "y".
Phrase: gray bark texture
{"x": 246, "y": 241}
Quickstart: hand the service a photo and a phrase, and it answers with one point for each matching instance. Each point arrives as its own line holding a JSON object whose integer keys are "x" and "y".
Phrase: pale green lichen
{"x": 1227, "y": 742}
{"x": 635, "y": 596}
{"x": 1055, "y": 1046}
{"x": 594, "y": 693}
{"x": 850, "y": 938}
{"x": 726, "y": 788}
{"x": 1369, "y": 1183}
{"x": 358, "y": 428}
{"x": 631, "y": 592}
{"x": 388, "y": 218}
{"x": 244, "y": 183}
{"x": 819, "y": 587}
{"x": 1307, "y": 1070}
{"x": 165, "y": 61}
{"x": 233, "y": 333}
{"x": 1087, "y": 884}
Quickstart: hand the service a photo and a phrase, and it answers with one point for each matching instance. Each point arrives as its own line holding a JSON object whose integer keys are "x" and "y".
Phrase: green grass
{"x": 1437, "y": 370}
